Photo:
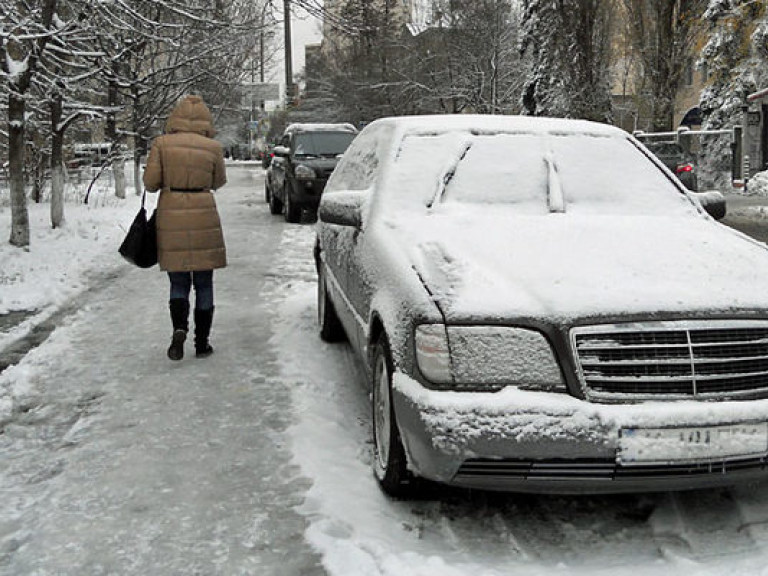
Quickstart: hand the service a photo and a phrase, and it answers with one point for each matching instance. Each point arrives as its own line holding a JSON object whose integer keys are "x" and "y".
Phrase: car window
{"x": 322, "y": 143}
{"x": 594, "y": 173}
{"x": 358, "y": 167}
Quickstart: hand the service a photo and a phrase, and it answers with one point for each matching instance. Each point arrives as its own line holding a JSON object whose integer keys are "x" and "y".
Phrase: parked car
{"x": 526, "y": 295}
{"x": 302, "y": 163}
{"x": 674, "y": 157}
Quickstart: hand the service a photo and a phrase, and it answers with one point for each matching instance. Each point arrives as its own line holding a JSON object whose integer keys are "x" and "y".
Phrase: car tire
{"x": 389, "y": 460}
{"x": 275, "y": 205}
{"x": 292, "y": 212}
{"x": 331, "y": 329}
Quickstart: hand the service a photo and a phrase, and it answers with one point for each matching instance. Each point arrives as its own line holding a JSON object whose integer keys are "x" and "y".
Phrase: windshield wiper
{"x": 555, "y": 196}
{"x": 449, "y": 176}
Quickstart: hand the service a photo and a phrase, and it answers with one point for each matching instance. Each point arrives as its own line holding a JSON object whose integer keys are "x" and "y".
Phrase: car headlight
{"x": 305, "y": 172}
{"x": 433, "y": 354}
{"x": 482, "y": 358}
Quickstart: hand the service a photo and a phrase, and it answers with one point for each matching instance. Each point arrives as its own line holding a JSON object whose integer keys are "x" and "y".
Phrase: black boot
{"x": 203, "y": 320}
{"x": 180, "y": 320}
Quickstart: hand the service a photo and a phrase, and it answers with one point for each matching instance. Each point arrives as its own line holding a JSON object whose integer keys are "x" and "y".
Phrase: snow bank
{"x": 758, "y": 184}
{"x": 60, "y": 261}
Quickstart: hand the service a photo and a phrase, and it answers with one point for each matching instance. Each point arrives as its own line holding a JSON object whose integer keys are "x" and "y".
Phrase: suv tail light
{"x": 684, "y": 168}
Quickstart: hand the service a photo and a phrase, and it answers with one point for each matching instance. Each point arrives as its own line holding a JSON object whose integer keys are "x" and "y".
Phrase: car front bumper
{"x": 524, "y": 441}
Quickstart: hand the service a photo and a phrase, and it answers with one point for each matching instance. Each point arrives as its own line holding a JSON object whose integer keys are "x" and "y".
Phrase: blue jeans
{"x": 181, "y": 283}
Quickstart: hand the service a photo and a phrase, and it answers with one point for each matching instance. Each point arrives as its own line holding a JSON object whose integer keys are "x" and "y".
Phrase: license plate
{"x": 692, "y": 444}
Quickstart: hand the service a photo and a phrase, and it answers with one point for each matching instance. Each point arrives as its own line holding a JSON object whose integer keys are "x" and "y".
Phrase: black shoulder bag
{"x": 140, "y": 244}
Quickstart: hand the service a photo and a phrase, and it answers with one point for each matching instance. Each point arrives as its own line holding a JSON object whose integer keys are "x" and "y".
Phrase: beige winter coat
{"x": 185, "y": 164}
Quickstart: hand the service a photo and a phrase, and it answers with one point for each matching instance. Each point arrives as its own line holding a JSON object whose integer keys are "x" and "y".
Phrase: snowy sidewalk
{"x": 121, "y": 462}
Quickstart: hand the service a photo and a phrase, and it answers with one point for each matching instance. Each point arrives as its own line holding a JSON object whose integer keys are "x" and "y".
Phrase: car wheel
{"x": 331, "y": 329}
{"x": 275, "y": 205}
{"x": 389, "y": 461}
{"x": 292, "y": 212}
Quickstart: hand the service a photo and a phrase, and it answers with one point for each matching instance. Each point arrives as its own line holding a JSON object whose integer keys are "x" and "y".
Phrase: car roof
{"x": 486, "y": 123}
{"x": 320, "y": 127}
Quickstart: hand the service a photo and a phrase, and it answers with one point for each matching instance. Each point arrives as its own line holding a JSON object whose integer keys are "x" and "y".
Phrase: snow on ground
{"x": 60, "y": 263}
{"x": 758, "y": 184}
{"x": 759, "y": 213}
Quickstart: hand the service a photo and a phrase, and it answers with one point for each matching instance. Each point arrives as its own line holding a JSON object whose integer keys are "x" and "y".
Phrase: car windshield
{"x": 325, "y": 143}
{"x": 535, "y": 173}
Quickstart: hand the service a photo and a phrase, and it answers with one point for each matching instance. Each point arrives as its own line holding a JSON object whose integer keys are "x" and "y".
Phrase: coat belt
{"x": 187, "y": 189}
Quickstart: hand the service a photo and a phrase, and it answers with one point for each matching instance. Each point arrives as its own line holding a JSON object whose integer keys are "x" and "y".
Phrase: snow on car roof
{"x": 320, "y": 127}
{"x": 487, "y": 123}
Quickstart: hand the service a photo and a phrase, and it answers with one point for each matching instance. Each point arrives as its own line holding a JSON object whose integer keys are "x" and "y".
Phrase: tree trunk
{"x": 19, "y": 216}
{"x": 137, "y": 149}
{"x": 115, "y": 152}
{"x": 39, "y": 175}
{"x": 118, "y": 170}
{"x": 57, "y": 164}
{"x": 137, "y": 183}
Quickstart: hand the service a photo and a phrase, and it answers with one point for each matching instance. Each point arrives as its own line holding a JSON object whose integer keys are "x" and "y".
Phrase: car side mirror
{"x": 282, "y": 151}
{"x": 342, "y": 208}
{"x": 713, "y": 203}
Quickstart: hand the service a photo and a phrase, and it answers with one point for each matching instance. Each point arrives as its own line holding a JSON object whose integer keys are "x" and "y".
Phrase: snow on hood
{"x": 560, "y": 225}
{"x": 562, "y": 266}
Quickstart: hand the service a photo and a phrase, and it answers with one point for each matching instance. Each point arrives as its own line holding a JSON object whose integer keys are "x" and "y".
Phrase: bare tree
{"x": 66, "y": 88}
{"x": 161, "y": 51}
{"x": 464, "y": 57}
{"x": 27, "y": 27}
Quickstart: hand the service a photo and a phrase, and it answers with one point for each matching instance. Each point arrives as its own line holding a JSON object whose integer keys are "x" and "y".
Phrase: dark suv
{"x": 302, "y": 163}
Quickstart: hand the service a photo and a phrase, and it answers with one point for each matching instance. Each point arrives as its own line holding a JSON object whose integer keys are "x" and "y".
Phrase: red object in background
{"x": 684, "y": 168}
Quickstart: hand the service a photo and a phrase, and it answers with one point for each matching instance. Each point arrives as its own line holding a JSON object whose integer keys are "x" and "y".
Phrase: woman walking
{"x": 186, "y": 164}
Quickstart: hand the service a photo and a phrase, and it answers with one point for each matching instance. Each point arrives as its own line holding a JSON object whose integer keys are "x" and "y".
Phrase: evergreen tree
{"x": 736, "y": 59}
{"x": 569, "y": 44}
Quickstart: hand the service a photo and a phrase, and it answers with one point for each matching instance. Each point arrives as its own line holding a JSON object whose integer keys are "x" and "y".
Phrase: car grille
{"x": 678, "y": 359}
{"x": 596, "y": 469}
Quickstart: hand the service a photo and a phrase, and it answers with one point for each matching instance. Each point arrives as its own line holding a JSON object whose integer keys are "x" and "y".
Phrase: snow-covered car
{"x": 540, "y": 306}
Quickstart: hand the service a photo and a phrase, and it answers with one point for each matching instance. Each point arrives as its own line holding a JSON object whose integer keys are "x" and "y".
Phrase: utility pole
{"x": 289, "y": 89}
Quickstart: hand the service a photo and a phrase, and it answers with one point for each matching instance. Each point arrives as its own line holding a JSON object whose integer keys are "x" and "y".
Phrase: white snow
{"x": 16, "y": 67}
{"x": 324, "y": 127}
{"x": 59, "y": 261}
{"x": 758, "y": 184}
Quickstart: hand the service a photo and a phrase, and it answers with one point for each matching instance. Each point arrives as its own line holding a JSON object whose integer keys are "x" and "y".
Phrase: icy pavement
{"x": 257, "y": 460}
{"x": 118, "y": 461}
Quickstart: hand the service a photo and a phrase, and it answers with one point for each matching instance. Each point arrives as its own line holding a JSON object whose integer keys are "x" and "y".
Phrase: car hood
{"x": 561, "y": 267}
